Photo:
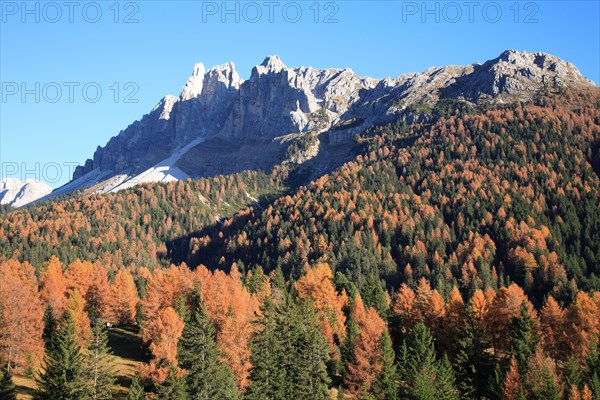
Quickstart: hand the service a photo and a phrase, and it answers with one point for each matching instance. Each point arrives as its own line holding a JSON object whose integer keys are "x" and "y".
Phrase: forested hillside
{"x": 458, "y": 256}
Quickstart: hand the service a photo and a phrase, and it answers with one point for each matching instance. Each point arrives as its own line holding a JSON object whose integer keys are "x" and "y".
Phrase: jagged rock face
{"x": 514, "y": 75}
{"x": 217, "y": 106}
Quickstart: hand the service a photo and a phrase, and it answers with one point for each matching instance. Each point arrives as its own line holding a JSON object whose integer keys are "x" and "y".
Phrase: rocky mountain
{"x": 17, "y": 193}
{"x": 222, "y": 124}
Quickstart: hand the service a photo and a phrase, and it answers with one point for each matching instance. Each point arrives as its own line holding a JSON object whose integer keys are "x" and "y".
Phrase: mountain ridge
{"x": 277, "y": 105}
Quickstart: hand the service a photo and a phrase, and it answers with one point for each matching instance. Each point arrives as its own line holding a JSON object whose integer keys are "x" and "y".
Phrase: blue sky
{"x": 136, "y": 52}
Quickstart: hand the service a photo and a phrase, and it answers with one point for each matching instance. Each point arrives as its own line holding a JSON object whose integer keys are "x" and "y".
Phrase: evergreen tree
{"x": 207, "y": 378}
{"x": 386, "y": 387}
{"x": 98, "y": 365}
{"x": 445, "y": 383}
{"x": 309, "y": 354}
{"x": 549, "y": 390}
{"x": 523, "y": 339}
{"x": 50, "y": 326}
{"x": 63, "y": 377}
{"x": 572, "y": 374}
{"x": 595, "y": 387}
{"x": 136, "y": 390}
{"x": 472, "y": 361}
{"x": 592, "y": 359}
{"x": 267, "y": 373}
{"x": 496, "y": 383}
{"x": 173, "y": 387}
{"x": 424, "y": 377}
{"x": 7, "y": 386}
{"x": 289, "y": 354}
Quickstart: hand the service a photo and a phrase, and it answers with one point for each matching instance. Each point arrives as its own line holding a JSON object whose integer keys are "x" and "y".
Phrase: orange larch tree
{"x": 364, "y": 366}
{"x": 76, "y": 306}
{"x": 513, "y": 389}
{"x": 124, "y": 298}
{"x": 21, "y": 314}
{"x": 99, "y": 297}
{"x": 404, "y": 306}
{"x": 163, "y": 334}
{"x": 317, "y": 284}
{"x": 54, "y": 287}
{"x": 79, "y": 276}
{"x": 582, "y": 322}
{"x": 552, "y": 320}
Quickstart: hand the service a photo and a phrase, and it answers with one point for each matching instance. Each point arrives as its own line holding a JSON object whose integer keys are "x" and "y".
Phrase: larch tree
{"x": 54, "y": 287}
{"x": 317, "y": 284}
{"x": 552, "y": 320}
{"x": 164, "y": 334}
{"x": 21, "y": 314}
{"x": 513, "y": 386}
{"x": 99, "y": 297}
{"x": 124, "y": 298}
{"x": 76, "y": 306}
{"x": 365, "y": 364}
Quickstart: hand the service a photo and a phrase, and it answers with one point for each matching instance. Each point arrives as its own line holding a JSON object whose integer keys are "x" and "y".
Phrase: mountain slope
{"x": 222, "y": 124}
{"x": 17, "y": 193}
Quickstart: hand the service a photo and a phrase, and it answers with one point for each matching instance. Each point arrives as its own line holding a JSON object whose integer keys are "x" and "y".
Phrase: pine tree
{"x": 207, "y": 378}
{"x": 386, "y": 387}
{"x": 50, "y": 327}
{"x": 472, "y": 361}
{"x": 63, "y": 377}
{"x": 550, "y": 390}
{"x": 572, "y": 374}
{"x": 98, "y": 365}
{"x": 173, "y": 387}
{"x": 309, "y": 354}
{"x": 445, "y": 383}
{"x": 267, "y": 373}
{"x": 595, "y": 387}
{"x": 424, "y": 377}
{"x": 523, "y": 339}
{"x": 136, "y": 390}
{"x": 7, "y": 386}
{"x": 289, "y": 354}
{"x": 496, "y": 383}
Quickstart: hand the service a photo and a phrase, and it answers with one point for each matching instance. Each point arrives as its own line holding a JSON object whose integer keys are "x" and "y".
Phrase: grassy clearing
{"x": 126, "y": 346}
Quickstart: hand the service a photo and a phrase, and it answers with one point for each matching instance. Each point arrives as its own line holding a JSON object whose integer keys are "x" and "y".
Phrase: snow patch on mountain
{"x": 18, "y": 193}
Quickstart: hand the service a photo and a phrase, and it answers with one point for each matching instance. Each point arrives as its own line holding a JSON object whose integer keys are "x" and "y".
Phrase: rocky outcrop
{"x": 229, "y": 124}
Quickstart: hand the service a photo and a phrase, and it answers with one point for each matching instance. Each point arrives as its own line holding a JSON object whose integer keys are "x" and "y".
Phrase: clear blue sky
{"x": 157, "y": 54}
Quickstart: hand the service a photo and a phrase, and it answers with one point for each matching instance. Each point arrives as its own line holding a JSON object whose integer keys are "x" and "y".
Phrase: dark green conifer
{"x": 98, "y": 365}
{"x": 523, "y": 339}
{"x": 136, "y": 390}
{"x": 63, "y": 378}
{"x": 7, "y": 386}
{"x": 173, "y": 388}
{"x": 207, "y": 378}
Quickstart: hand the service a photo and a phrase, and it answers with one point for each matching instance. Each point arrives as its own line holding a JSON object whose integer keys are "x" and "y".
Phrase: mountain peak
{"x": 193, "y": 86}
{"x": 273, "y": 64}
